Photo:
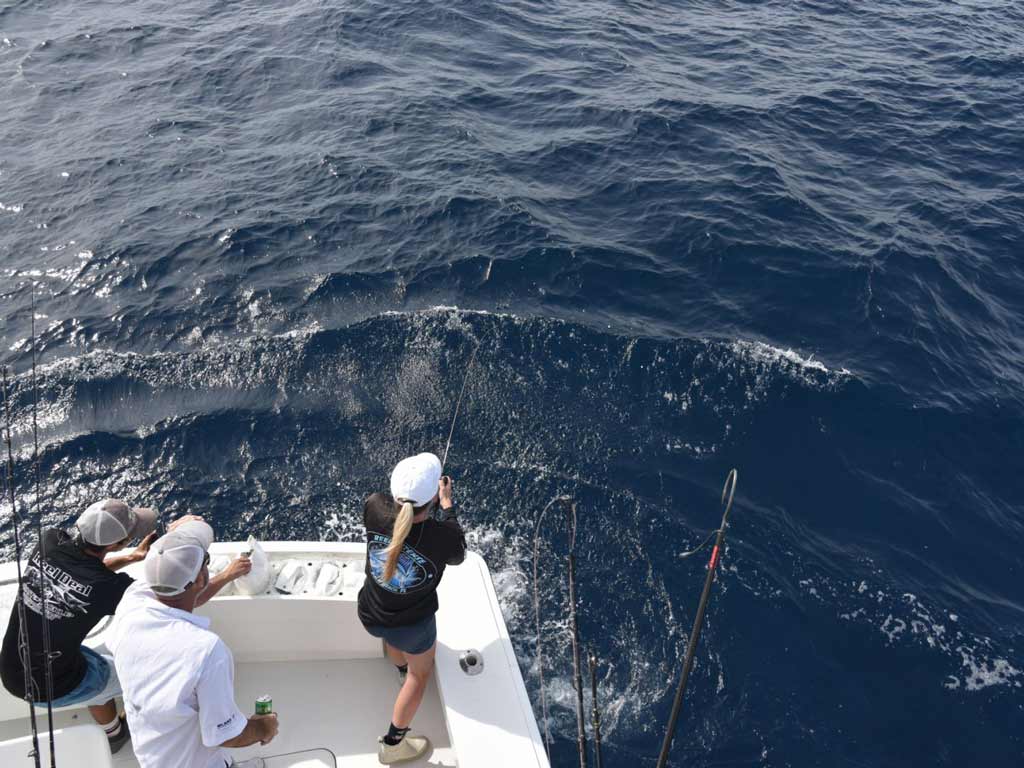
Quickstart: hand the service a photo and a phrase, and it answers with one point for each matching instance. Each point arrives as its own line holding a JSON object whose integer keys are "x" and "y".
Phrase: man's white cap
{"x": 175, "y": 559}
{"x": 415, "y": 478}
{"x": 112, "y": 520}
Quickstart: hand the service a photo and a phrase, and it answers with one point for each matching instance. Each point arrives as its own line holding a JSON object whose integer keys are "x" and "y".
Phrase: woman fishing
{"x": 406, "y": 554}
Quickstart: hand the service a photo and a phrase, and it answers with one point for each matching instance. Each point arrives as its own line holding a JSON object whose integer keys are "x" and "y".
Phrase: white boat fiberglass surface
{"x": 331, "y": 686}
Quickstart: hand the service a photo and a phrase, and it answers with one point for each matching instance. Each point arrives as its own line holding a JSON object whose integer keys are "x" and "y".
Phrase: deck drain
{"x": 471, "y": 661}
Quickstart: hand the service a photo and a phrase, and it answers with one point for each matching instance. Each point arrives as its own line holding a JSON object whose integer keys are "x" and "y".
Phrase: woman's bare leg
{"x": 396, "y": 656}
{"x": 421, "y": 665}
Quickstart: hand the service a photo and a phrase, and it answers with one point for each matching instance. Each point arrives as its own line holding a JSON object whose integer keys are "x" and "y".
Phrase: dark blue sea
{"x": 264, "y": 238}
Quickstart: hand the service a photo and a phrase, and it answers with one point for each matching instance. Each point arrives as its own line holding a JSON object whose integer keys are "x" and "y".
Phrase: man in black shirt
{"x": 82, "y": 586}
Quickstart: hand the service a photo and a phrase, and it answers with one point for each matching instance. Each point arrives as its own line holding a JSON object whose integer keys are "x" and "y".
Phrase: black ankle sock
{"x": 395, "y": 735}
{"x": 403, "y": 668}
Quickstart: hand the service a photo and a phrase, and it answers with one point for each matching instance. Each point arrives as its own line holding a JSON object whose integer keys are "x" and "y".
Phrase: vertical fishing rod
{"x": 458, "y": 405}
{"x": 728, "y": 490}
{"x": 536, "y": 619}
{"x": 24, "y": 646}
{"x": 581, "y": 736}
{"x": 595, "y": 713}
{"x": 43, "y": 592}
{"x": 580, "y": 732}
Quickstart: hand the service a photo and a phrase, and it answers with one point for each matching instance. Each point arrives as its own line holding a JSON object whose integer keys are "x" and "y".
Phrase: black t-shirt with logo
{"x": 81, "y": 591}
{"x": 411, "y": 595}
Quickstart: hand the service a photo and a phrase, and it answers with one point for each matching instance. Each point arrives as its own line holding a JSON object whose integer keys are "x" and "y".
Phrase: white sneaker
{"x": 409, "y": 748}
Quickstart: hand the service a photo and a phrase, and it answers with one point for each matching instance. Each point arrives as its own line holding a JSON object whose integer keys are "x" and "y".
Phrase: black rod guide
{"x": 727, "y": 494}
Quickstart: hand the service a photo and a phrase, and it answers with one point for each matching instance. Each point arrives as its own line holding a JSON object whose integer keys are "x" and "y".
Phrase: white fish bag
{"x": 258, "y": 579}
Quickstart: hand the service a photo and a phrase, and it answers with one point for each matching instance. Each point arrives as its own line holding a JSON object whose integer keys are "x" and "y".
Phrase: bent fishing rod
{"x": 728, "y": 491}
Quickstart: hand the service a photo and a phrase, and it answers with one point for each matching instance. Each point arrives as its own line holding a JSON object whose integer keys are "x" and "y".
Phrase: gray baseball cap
{"x": 176, "y": 559}
{"x": 112, "y": 520}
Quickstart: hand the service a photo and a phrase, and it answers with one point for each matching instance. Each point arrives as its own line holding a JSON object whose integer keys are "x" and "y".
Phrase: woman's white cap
{"x": 415, "y": 479}
{"x": 175, "y": 559}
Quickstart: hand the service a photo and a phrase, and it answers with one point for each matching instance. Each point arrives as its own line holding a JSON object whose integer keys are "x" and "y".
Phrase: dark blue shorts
{"x": 415, "y": 638}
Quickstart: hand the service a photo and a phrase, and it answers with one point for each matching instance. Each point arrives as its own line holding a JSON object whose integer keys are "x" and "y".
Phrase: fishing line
{"x": 458, "y": 405}
{"x": 43, "y": 560}
{"x": 24, "y": 646}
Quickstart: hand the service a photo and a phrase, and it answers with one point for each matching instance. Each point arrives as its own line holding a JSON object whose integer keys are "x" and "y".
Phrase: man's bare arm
{"x": 115, "y": 561}
{"x": 238, "y": 567}
{"x": 260, "y": 728}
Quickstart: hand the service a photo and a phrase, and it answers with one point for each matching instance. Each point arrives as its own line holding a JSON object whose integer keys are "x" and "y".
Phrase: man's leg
{"x": 115, "y": 728}
{"x": 105, "y": 714}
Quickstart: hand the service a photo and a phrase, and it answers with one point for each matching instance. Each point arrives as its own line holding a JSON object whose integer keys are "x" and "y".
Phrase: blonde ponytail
{"x": 403, "y": 524}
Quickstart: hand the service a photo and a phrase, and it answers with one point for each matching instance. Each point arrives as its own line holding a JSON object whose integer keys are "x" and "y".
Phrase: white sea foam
{"x": 906, "y": 619}
{"x": 759, "y": 352}
{"x": 983, "y": 673}
{"x": 11, "y": 208}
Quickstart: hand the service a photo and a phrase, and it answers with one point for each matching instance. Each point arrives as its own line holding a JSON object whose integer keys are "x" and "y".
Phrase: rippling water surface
{"x": 264, "y": 239}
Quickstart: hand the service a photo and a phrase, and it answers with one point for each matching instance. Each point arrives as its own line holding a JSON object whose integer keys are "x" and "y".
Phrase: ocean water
{"x": 261, "y": 241}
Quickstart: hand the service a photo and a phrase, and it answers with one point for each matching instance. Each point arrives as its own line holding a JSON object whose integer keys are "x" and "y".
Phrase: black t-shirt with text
{"x": 81, "y": 590}
{"x": 411, "y": 595}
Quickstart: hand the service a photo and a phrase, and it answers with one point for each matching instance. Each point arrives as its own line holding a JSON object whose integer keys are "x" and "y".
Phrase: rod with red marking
{"x": 691, "y": 649}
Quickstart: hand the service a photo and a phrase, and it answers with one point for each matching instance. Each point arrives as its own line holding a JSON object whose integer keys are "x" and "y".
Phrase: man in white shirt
{"x": 177, "y": 675}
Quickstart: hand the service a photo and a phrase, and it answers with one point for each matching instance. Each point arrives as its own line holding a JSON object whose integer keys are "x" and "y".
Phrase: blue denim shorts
{"x": 99, "y": 685}
{"x": 415, "y": 638}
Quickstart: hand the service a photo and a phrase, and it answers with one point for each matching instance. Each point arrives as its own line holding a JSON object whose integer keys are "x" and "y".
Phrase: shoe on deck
{"x": 121, "y": 739}
{"x": 409, "y": 748}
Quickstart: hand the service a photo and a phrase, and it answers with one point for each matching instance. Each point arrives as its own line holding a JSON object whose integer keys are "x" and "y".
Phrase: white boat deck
{"x": 342, "y": 706}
